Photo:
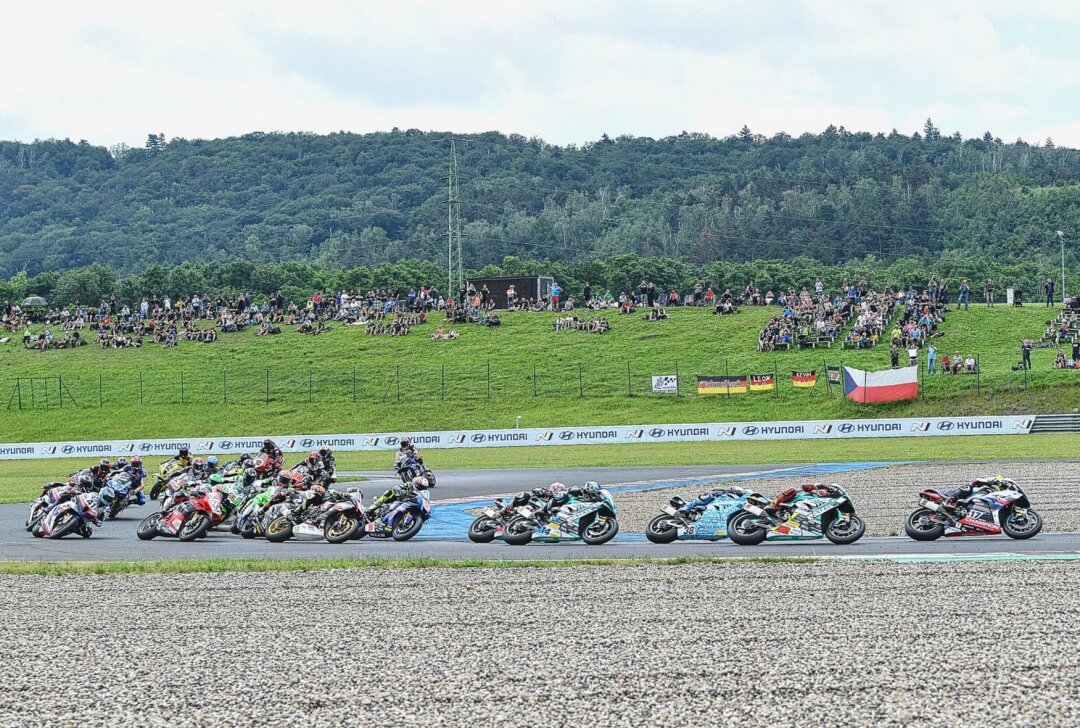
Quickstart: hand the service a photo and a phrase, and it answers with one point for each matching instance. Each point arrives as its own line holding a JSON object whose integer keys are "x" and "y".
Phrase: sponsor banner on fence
{"x": 613, "y": 434}
{"x": 733, "y": 384}
{"x": 665, "y": 384}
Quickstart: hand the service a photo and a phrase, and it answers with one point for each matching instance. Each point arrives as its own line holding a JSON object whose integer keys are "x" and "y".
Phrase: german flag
{"x": 761, "y": 382}
{"x": 734, "y": 384}
{"x": 804, "y": 379}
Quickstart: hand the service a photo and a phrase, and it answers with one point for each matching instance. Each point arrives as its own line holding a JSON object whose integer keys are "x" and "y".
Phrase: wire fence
{"x": 552, "y": 379}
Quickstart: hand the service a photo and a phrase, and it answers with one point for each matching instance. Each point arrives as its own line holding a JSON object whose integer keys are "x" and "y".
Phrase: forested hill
{"x": 351, "y": 199}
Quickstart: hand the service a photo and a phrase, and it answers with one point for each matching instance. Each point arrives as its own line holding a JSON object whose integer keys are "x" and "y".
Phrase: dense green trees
{"x": 348, "y": 200}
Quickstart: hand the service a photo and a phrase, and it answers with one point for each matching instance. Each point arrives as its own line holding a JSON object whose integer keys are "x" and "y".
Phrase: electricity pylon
{"x": 454, "y": 272}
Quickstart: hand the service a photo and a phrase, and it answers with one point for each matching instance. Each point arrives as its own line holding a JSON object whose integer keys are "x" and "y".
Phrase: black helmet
{"x": 405, "y": 442}
{"x": 324, "y": 451}
{"x": 267, "y": 443}
{"x": 539, "y": 492}
{"x": 121, "y": 462}
{"x": 104, "y": 462}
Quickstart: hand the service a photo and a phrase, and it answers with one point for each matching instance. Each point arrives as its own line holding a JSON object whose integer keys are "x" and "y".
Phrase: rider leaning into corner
{"x": 821, "y": 490}
{"x": 271, "y": 450}
{"x": 408, "y": 450}
{"x": 397, "y": 492}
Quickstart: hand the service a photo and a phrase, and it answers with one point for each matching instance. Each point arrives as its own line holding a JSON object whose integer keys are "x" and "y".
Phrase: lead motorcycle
{"x": 707, "y": 518}
{"x": 491, "y": 523}
{"x": 75, "y": 515}
{"x": 587, "y": 515}
{"x": 823, "y": 511}
{"x": 403, "y": 515}
{"x": 55, "y": 493}
{"x": 408, "y": 469}
{"x": 994, "y": 506}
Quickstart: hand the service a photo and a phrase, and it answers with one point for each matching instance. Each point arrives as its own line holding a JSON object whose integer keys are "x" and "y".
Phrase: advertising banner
{"x": 733, "y": 384}
{"x": 665, "y": 384}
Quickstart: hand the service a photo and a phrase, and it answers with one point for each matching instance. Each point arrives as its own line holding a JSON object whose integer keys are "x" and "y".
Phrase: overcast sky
{"x": 565, "y": 71}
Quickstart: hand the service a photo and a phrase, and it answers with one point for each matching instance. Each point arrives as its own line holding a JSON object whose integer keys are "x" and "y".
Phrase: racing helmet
{"x": 136, "y": 462}
{"x": 268, "y": 444}
{"x": 121, "y": 462}
{"x": 592, "y": 487}
{"x": 324, "y": 451}
{"x": 420, "y": 482}
{"x": 104, "y": 462}
{"x": 405, "y": 443}
{"x": 198, "y": 465}
{"x": 106, "y": 496}
{"x": 313, "y": 457}
{"x": 184, "y": 453}
{"x": 212, "y": 461}
{"x": 557, "y": 489}
{"x": 85, "y": 481}
{"x": 285, "y": 479}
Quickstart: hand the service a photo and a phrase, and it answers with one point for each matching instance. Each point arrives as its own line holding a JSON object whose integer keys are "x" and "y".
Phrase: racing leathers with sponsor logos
{"x": 785, "y": 496}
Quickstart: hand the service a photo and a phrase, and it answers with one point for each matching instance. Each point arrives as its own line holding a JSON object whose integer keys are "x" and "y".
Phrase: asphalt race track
{"x": 444, "y": 536}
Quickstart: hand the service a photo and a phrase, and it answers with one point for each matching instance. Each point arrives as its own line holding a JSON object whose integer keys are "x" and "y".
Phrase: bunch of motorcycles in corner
{"x": 251, "y": 496}
{"x": 552, "y": 514}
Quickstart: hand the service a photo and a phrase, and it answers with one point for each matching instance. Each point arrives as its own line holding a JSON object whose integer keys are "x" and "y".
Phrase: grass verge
{"x": 214, "y": 566}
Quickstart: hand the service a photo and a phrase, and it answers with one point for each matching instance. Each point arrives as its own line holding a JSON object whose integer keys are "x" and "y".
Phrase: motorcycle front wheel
{"x": 278, "y": 530}
{"x": 744, "y": 530}
{"x": 662, "y": 529}
{"x": 406, "y": 526}
{"x": 843, "y": 531}
{"x": 36, "y": 512}
{"x": 519, "y": 531}
{"x": 921, "y": 526}
{"x": 482, "y": 530}
{"x": 1021, "y": 525}
{"x": 341, "y": 528}
{"x": 67, "y": 523}
{"x": 155, "y": 492}
{"x": 596, "y": 532}
{"x": 195, "y": 525}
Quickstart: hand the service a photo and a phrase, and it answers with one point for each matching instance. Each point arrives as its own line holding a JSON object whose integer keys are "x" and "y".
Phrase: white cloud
{"x": 566, "y": 71}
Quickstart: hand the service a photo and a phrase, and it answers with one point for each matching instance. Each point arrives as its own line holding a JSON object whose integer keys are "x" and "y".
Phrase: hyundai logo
{"x": 225, "y": 445}
{"x": 307, "y": 442}
{"x": 390, "y": 440}
{"x": 146, "y": 447}
{"x": 478, "y": 437}
{"x": 751, "y": 430}
{"x": 656, "y": 432}
{"x": 566, "y": 435}
{"x": 945, "y": 425}
{"x": 846, "y": 427}
{"x": 69, "y": 449}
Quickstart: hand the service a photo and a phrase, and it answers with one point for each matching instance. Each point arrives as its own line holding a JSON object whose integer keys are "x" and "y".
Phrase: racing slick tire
{"x": 1022, "y": 527}
{"x": 919, "y": 532}
{"x": 596, "y": 534}
{"x": 740, "y": 532}
{"x": 655, "y": 533}
{"x": 482, "y": 530}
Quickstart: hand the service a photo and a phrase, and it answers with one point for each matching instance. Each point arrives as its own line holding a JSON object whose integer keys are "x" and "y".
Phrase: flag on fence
{"x": 665, "y": 384}
{"x": 885, "y": 386}
{"x": 804, "y": 379}
{"x": 761, "y": 382}
{"x": 733, "y": 384}
{"x": 832, "y": 375}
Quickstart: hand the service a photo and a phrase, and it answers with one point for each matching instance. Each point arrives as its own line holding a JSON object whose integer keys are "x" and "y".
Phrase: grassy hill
{"x": 344, "y": 381}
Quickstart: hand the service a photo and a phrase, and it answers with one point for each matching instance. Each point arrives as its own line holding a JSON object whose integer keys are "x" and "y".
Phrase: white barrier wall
{"x": 614, "y": 434}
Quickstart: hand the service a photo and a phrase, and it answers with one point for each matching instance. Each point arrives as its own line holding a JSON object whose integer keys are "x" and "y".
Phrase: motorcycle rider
{"x": 212, "y": 464}
{"x": 967, "y": 490}
{"x": 101, "y": 472}
{"x": 271, "y": 450}
{"x": 199, "y": 469}
{"x": 328, "y": 461}
{"x": 408, "y": 450}
{"x": 788, "y": 494}
{"x": 397, "y": 492}
{"x": 183, "y": 457}
{"x": 120, "y": 464}
{"x": 138, "y": 474}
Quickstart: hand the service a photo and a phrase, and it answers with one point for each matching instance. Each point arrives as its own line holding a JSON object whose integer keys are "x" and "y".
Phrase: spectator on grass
{"x": 913, "y": 355}
{"x": 931, "y": 359}
{"x": 894, "y": 356}
{"x": 1025, "y": 351}
{"x": 1059, "y": 360}
{"x": 965, "y": 295}
{"x": 988, "y": 293}
{"x": 1048, "y": 289}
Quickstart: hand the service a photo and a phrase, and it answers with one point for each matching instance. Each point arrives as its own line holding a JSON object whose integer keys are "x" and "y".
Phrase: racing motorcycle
{"x": 995, "y": 506}
{"x": 403, "y": 516}
{"x": 344, "y": 520}
{"x": 166, "y": 472}
{"x": 706, "y": 518}
{"x": 74, "y": 515}
{"x": 250, "y": 514}
{"x": 54, "y": 493}
{"x": 337, "y": 519}
{"x": 408, "y": 469}
{"x": 492, "y": 520}
{"x": 124, "y": 491}
{"x": 190, "y": 515}
{"x": 826, "y": 511}
{"x": 588, "y": 515}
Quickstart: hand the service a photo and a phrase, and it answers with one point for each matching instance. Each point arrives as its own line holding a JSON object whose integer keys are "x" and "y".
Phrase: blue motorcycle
{"x": 124, "y": 491}
{"x": 402, "y": 517}
{"x": 705, "y": 518}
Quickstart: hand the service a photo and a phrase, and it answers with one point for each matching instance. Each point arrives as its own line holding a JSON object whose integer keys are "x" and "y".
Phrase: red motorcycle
{"x": 190, "y": 515}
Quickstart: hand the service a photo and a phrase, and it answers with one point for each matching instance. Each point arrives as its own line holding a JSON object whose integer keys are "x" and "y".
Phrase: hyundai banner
{"x": 613, "y": 434}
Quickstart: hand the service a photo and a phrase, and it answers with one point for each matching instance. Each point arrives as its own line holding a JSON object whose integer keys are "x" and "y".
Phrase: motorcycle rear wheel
{"x": 855, "y": 530}
{"x": 929, "y": 531}
{"x": 195, "y": 525}
{"x": 148, "y": 528}
{"x": 743, "y": 531}
{"x": 1030, "y": 525}
{"x": 279, "y": 530}
{"x": 657, "y": 534}
{"x": 519, "y": 531}
{"x": 482, "y": 530}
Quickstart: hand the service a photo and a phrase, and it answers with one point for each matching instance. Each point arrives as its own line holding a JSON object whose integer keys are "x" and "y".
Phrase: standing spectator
{"x": 894, "y": 356}
{"x": 1025, "y": 350}
{"x": 913, "y": 355}
{"x": 698, "y": 288}
{"x": 511, "y": 297}
{"x": 1048, "y": 289}
{"x": 587, "y": 294}
{"x": 556, "y": 292}
{"x": 485, "y": 294}
{"x": 931, "y": 359}
{"x": 1018, "y": 296}
{"x": 650, "y": 293}
{"x": 819, "y": 287}
{"x": 965, "y": 294}
{"x": 642, "y": 288}
{"x": 943, "y": 293}
{"x": 988, "y": 293}
{"x": 1075, "y": 351}
{"x": 933, "y": 288}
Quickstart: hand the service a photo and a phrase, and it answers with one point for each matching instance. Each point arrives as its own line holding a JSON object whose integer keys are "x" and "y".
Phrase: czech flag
{"x": 886, "y": 386}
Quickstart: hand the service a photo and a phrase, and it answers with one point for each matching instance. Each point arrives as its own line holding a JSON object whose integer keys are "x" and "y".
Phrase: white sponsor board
{"x": 613, "y": 434}
{"x": 665, "y": 384}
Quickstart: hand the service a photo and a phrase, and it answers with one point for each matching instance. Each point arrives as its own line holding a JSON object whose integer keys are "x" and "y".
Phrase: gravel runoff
{"x": 865, "y": 643}
{"x": 885, "y": 496}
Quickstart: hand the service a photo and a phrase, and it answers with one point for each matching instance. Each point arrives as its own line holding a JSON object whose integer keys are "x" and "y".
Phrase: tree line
{"x": 364, "y": 200}
{"x": 298, "y": 281}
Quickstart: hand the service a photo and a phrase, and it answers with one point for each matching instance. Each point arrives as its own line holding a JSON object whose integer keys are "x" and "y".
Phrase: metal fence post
{"x": 727, "y": 384}
{"x": 534, "y": 381}
{"x": 140, "y": 387}
{"x": 678, "y": 380}
{"x": 354, "y": 385}
{"x": 580, "y": 382}
{"x": 489, "y": 378}
{"x": 397, "y": 383}
{"x": 100, "y": 386}
{"x": 309, "y": 385}
{"x": 629, "y": 387}
{"x": 181, "y": 386}
{"x": 978, "y": 375}
{"x": 267, "y": 394}
{"x": 60, "y": 389}
{"x": 224, "y": 386}
{"x": 442, "y": 382}
{"x": 776, "y": 378}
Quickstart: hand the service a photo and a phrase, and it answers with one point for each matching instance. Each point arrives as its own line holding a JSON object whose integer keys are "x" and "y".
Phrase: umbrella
{"x": 34, "y": 301}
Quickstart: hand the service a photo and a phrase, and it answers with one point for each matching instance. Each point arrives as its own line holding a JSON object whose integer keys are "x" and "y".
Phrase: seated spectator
{"x": 1060, "y": 362}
